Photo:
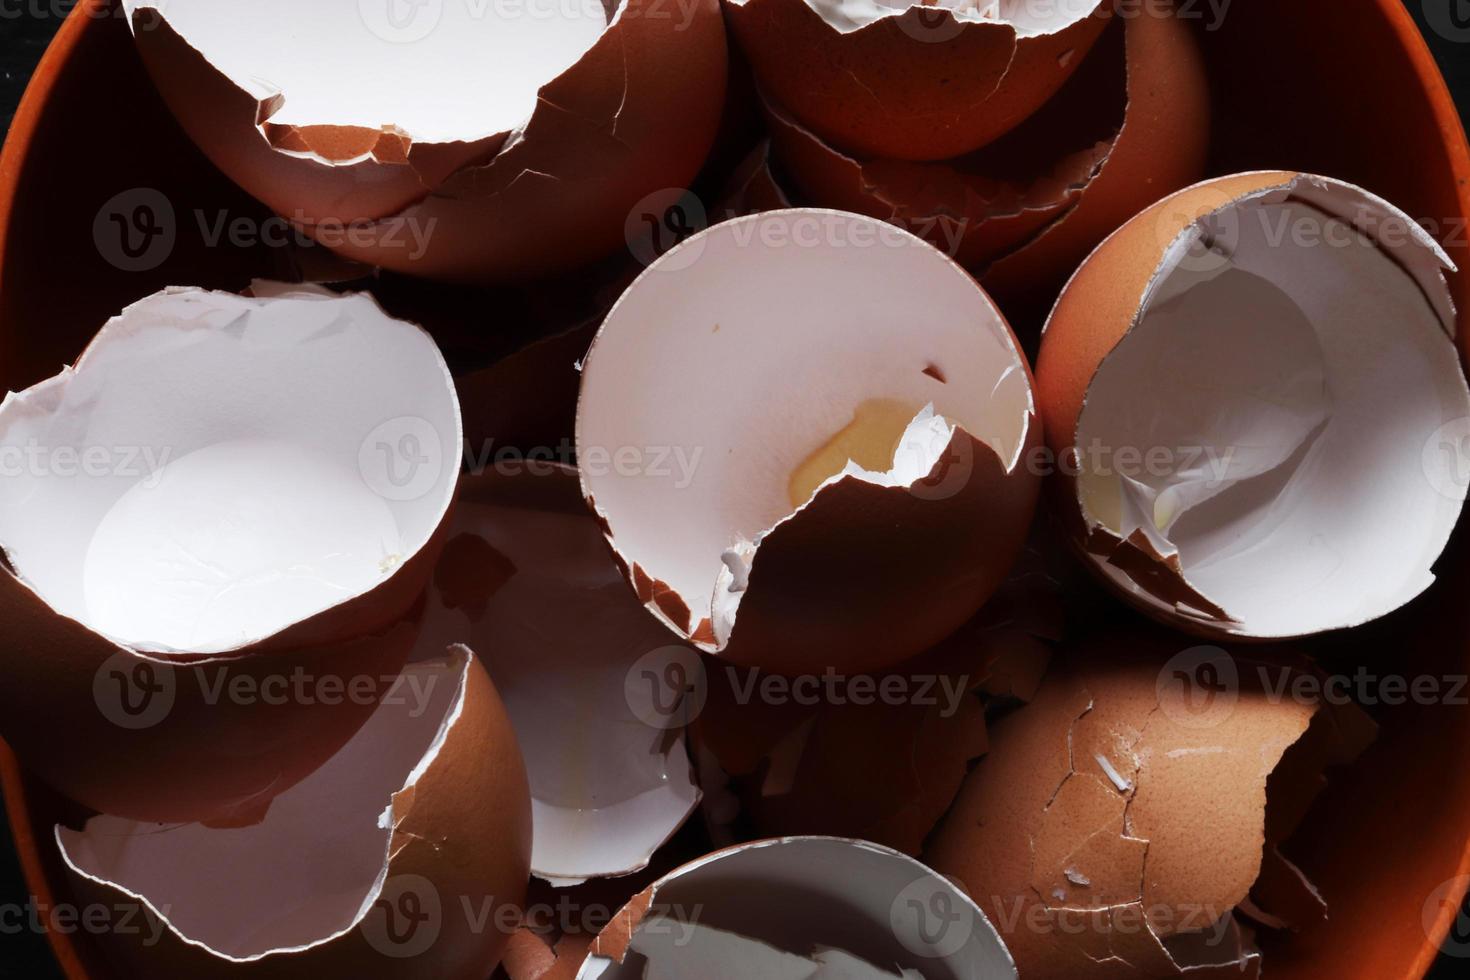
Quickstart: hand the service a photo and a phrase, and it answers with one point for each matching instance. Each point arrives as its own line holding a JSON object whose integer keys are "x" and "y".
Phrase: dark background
{"x": 25, "y": 28}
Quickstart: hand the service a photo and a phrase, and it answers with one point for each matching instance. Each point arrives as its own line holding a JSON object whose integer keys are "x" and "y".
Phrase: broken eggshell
{"x": 526, "y": 578}
{"x": 1081, "y": 831}
{"x": 802, "y": 908}
{"x": 807, "y": 435}
{"x": 878, "y": 757}
{"x": 220, "y": 510}
{"x": 404, "y": 855}
{"x": 465, "y": 142}
{"x": 1222, "y": 370}
{"x": 913, "y": 81}
{"x": 1129, "y": 127}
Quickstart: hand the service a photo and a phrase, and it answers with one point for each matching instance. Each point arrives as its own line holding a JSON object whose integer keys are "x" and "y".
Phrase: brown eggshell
{"x": 310, "y": 175}
{"x": 460, "y": 849}
{"x": 753, "y": 187}
{"x": 562, "y": 922}
{"x": 920, "y": 85}
{"x": 611, "y": 779}
{"x": 873, "y": 568}
{"x": 1129, "y": 127}
{"x": 817, "y": 760}
{"x": 1127, "y": 261}
{"x": 526, "y": 402}
{"x": 879, "y": 772}
{"x": 795, "y": 605}
{"x": 162, "y": 736}
{"x": 635, "y": 116}
{"x": 1082, "y": 830}
{"x": 1161, "y": 148}
{"x": 1110, "y": 295}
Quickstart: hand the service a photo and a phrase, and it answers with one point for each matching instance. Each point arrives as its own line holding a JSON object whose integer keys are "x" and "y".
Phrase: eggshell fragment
{"x": 210, "y": 513}
{"x": 878, "y": 757}
{"x": 721, "y": 398}
{"x": 1129, "y": 127}
{"x": 1222, "y": 369}
{"x": 464, "y": 142}
{"x": 800, "y": 907}
{"x": 402, "y": 856}
{"x": 913, "y": 81}
{"x": 1082, "y": 831}
{"x": 526, "y": 576}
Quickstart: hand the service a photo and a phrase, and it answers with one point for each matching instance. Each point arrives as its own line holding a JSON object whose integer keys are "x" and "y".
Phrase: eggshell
{"x": 878, "y": 757}
{"x": 524, "y": 406}
{"x": 733, "y": 359}
{"x": 404, "y": 855}
{"x": 1129, "y": 127}
{"x": 232, "y": 71}
{"x": 912, "y": 82}
{"x": 1261, "y": 370}
{"x": 526, "y": 576}
{"x": 1082, "y": 831}
{"x": 588, "y": 116}
{"x": 753, "y": 186}
{"x": 794, "y": 906}
{"x": 634, "y": 117}
{"x": 109, "y": 703}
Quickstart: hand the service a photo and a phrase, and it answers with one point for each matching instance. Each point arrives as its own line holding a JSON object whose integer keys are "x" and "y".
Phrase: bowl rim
{"x": 27, "y": 119}
{"x": 14, "y": 792}
{"x": 36, "y": 99}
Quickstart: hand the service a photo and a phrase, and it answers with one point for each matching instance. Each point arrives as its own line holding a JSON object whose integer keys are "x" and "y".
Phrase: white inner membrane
{"x": 809, "y": 908}
{"x": 560, "y": 639}
{"x": 440, "y": 71}
{"x": 1271, "y": 417}
{"x": 1028, "y": 17}
{"x": 232, "y": 538}
{"x": 213, "y": 469}
{"x": 312, "y": 868}
{"x": 744, "y": 352}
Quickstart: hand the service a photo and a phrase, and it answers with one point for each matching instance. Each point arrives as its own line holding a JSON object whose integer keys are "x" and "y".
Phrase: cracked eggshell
{"x": 1129, "y": 127}
{"x": 1222, "y": 369}
{"x": 875, "y": 771}
{"x": 404, "y": 855}
{"x": 330, "y": 114}
{"x": 235, "y": 528}
{"x": 721, "y": 402}
{"x": 913, "y": 81}
{"x": 635, "y": 116}
{"x": 877, "y": 757}
{"x": 526, "y": 578}
{"x": 467, "y": 142}
{"x": 804, "y": 908}
{"x": 1082, "y": 829}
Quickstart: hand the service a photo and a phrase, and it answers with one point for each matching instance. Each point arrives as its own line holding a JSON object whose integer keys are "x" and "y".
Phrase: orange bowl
{"x": 103, "y": 200}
